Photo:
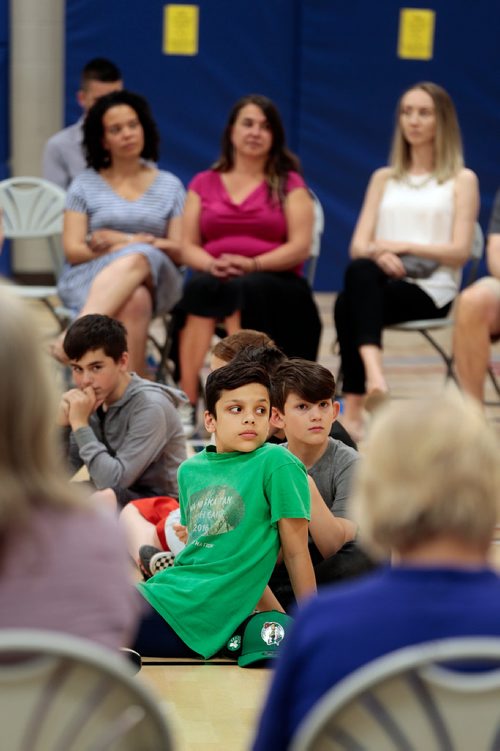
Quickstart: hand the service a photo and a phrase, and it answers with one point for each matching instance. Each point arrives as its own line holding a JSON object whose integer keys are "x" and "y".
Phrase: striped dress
{"x": 90, "y": 194}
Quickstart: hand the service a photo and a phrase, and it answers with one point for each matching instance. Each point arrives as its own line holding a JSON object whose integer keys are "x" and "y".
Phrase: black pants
{"x": 282, "y": 305}
{"x": 347, "y": 563}
{"x": 156, "y": 638}
{"x": 279, "y": 303}
{"x": 370, "y": 301}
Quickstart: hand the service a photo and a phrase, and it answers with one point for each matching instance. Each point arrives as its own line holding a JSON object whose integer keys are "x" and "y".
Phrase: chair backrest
{"x": 318, "y": 228}
{"x": 33, "y": 208}
{"x": 412, "y": 699}
{"x": 61, "y": 693}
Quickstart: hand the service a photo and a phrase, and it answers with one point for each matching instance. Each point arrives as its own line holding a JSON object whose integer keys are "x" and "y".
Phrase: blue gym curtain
{"x": 332, "y": 68}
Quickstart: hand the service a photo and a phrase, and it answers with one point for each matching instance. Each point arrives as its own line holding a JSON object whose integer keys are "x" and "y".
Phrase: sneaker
{"x": 153, "y": 560}
{"x": 188, "y": 413}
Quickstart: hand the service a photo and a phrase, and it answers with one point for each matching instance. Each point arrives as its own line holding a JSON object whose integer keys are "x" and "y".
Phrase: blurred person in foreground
{"x": 427, "y": 494}
{"x": 55, "y": 545}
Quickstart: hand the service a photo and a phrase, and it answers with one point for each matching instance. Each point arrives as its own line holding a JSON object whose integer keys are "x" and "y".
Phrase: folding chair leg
{"x": 61, "y": 322}
{"x": 447, "y": 359}
{"x": 164, "y": 372}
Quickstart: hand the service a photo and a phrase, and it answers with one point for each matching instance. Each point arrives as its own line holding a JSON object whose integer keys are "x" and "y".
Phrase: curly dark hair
{"x": 280, "y": 161}
{"x": 93, "y": 132}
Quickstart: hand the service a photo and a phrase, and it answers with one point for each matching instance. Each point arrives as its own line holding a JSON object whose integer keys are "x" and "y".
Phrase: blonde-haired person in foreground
{"x": 63, "y": 566}
{"x": 427, "y": 496}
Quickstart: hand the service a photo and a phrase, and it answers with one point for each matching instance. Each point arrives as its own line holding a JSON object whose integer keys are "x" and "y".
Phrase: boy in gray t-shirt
{"x": 332, "y": 472}
{"x": 304, "y": 406}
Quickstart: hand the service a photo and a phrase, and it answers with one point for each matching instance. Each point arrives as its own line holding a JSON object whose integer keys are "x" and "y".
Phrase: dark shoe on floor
{"x": 153, "y": 560}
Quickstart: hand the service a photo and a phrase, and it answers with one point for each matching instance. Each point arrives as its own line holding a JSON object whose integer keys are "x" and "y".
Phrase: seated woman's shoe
{"x": 375, "y": 399}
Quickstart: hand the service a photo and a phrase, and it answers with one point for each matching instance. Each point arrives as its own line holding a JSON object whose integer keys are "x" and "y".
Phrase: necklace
{"x": 418, "y": 181}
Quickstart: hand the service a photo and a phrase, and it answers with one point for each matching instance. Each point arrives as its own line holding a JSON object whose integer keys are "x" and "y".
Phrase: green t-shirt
{"x": 231, "y": 504}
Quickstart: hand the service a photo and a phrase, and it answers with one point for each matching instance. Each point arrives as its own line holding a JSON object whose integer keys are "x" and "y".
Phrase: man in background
{"x": 63, "y": 155}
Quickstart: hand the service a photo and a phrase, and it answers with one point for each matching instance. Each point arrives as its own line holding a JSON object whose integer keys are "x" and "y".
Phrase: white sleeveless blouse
{"x": 420, "y": 210}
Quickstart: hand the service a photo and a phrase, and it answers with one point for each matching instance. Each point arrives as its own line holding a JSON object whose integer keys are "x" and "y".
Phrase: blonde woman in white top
{"x": 424, "y": 205}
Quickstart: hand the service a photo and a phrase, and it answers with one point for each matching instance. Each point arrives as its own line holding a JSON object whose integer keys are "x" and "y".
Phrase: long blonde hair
{"x": 448, "y": 149}
{"x": 31, "y": 469}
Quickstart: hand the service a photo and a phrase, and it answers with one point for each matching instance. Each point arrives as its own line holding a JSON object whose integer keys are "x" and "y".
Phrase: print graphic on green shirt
{"x": 214, "y": 511}
{"x": 218, "y": 578}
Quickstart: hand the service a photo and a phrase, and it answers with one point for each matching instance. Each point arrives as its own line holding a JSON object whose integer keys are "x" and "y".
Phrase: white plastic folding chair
{"x": 33, "y": 209}
{"x": 438, "y": 696}
{"x": 62, "y": 693}
{"x": 428, "y": 325}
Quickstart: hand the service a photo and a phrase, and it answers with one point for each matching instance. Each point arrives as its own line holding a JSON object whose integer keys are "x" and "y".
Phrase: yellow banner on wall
{"x": 416, "y": 33}
{"x": 180, "y": 29}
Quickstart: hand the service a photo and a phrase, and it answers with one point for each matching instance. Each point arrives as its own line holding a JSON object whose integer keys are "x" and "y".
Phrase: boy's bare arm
{"x": 293, "y": 536}
{"x": 328, "y": 532}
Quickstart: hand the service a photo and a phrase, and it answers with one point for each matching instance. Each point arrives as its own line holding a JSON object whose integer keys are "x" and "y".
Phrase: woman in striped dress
{"x": 122, "y": 223}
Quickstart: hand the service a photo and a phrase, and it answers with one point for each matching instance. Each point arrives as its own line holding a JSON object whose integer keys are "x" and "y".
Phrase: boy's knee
{"x": 106, "y": 499}
{"x": 129, "y": 512}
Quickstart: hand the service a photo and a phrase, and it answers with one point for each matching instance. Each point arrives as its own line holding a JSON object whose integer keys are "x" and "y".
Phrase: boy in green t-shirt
{"x": 241, "y": 500}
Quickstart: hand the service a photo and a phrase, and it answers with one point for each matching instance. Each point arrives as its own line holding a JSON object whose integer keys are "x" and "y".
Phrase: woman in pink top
{"x": 247, "y": 231}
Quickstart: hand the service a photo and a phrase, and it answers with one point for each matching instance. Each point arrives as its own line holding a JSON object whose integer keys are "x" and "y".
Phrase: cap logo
{"x": 234, "y": 643}
{"x": 272, "y": 633}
